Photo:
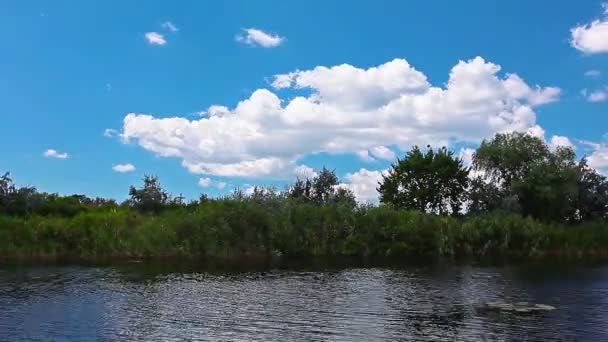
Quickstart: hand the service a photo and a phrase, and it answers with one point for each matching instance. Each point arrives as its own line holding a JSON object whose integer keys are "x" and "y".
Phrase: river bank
{"x": 247, "y": 230}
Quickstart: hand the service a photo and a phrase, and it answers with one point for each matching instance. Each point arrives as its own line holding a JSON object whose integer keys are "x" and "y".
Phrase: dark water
{"x": 140, "y": 303}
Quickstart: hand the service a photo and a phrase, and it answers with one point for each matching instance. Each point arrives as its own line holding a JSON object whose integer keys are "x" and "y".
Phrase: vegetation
{"x": 524, "y": 200}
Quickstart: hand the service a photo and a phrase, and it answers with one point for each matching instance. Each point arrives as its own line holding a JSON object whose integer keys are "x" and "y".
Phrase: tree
{"x": 431, "y": 181}
{"x": 547, "y": 184}
{"x": 322, "y": 189}
{"x": 323, "y": 185}
{"x": 151, "y": 197}
{"x": 592, "y": 200}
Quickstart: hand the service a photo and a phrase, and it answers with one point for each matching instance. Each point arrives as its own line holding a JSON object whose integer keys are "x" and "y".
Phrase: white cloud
{"x": 364, "y": 155}
{"x": 466, "y": 155}
{"x": 110, "y": 132}
{"x": 256, "y": 37}
{"x": 598, "y": 96}
{"x": 383, "y": 152}
{"x": 599, "y": 158}
{"x": 591, "y": 38}
{"x": 364, "y": 183}
{"x": 593, "y": 73}
{"x": 122, "y": 168}
{"x": 50, "y": 153}
{"x": 559, "y": 140}
{"x": 155, "y": 38}
{"x": 348, "y": 110}
{"x": 167, "y": 25}
{"x": 537, "y": 96}
{"x": 207, "y": 182}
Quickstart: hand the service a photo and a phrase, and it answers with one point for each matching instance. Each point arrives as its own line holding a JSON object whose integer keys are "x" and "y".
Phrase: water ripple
{"x": 115, "y": 304}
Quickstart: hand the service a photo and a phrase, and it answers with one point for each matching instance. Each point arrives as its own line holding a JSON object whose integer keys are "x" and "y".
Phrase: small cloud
{"x": 50, "y": 153}
{"x": 155, "y": 38}
{"x": 591, "y": 38}
{"x": 110, "y": 133}
{"x": 122, "y": 168}
{"x": 167, "y": 25}
{"x": 108, "y": 87}
{"x": 256, "y": 37}
{"x": 205, "y": 182}
{"x": 593, "y": 73}
{"x": 598, "y": 96}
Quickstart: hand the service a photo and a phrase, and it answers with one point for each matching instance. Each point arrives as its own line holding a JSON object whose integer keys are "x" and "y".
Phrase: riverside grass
{"x": 235, "y": 229}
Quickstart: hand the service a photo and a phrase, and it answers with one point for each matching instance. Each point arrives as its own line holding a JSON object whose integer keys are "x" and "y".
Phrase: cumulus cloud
{"x": 50, "y": 153}
{"x": 591, "y": 38}
{"x": 155, "y": 38}
{"x": 364, "y": 183}
{"x": 123, "y": 168}
{"x": 534, "y": 96}
{"x": 257, "y": 37}
{"x": 346, "y": 110}
{"x": 559, "y": 140}
{"x": 599, "y": 158}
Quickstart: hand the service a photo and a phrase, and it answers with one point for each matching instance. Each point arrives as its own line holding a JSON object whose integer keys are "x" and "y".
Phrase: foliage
{"x": 523, "y": 175}
{"x": 323, "y": 188}
{"x": 151, "y": 197}
{"x": 431, "y": 181}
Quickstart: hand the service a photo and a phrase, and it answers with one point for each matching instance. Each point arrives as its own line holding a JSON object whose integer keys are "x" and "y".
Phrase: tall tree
{"x": 151, "y": 197}
{"x": 547, "y": 184}
{"x": 432, "y": 181}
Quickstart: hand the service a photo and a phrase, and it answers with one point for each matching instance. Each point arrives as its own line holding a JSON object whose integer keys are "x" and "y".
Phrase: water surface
{"x": 143, "y": 303}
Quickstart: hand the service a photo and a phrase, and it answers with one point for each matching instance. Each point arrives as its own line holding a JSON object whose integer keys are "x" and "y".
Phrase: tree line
{"x": 512, "y": 173}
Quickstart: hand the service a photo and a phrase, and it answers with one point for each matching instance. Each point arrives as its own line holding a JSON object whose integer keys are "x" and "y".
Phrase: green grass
{"x": 230, "y": 228}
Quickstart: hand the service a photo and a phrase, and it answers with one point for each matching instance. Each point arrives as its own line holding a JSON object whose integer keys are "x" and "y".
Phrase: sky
{"x": 216, "y": 95}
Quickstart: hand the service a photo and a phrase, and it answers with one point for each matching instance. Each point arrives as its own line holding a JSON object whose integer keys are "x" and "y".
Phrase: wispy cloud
{"x": 207, "y": 182}
{"x": 257, "y": 37}
{"x": 598, "y": 96}
{"x": 110, "y": 132}
{"x": 167, "y": 25}
{"x": 155, "y": 38}
{"x": 122, "y": 168}
{"x": 50, "y": 153}
{"x": 593, "y": 73}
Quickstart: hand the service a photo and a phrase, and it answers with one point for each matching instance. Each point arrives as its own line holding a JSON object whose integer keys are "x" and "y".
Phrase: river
{"x": 150, "y": 303}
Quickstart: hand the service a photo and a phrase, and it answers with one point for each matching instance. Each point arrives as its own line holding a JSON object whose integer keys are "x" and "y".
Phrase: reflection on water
{"x": 137, "y": 303}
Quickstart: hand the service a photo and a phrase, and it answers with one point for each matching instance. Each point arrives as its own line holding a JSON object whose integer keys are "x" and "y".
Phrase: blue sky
{"x": 214, "y": 95}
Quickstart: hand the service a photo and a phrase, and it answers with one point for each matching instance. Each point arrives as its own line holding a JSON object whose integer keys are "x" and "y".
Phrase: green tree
{"x": 592, "y": 200}
{"x": 431, "y": 181}
{"x": 509, "y": 156}
{"x": 547, "y": 184}
{"x": 323, "y": 185}
{"x": 322, "y": 189}
{"x": 151, "y": 197}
